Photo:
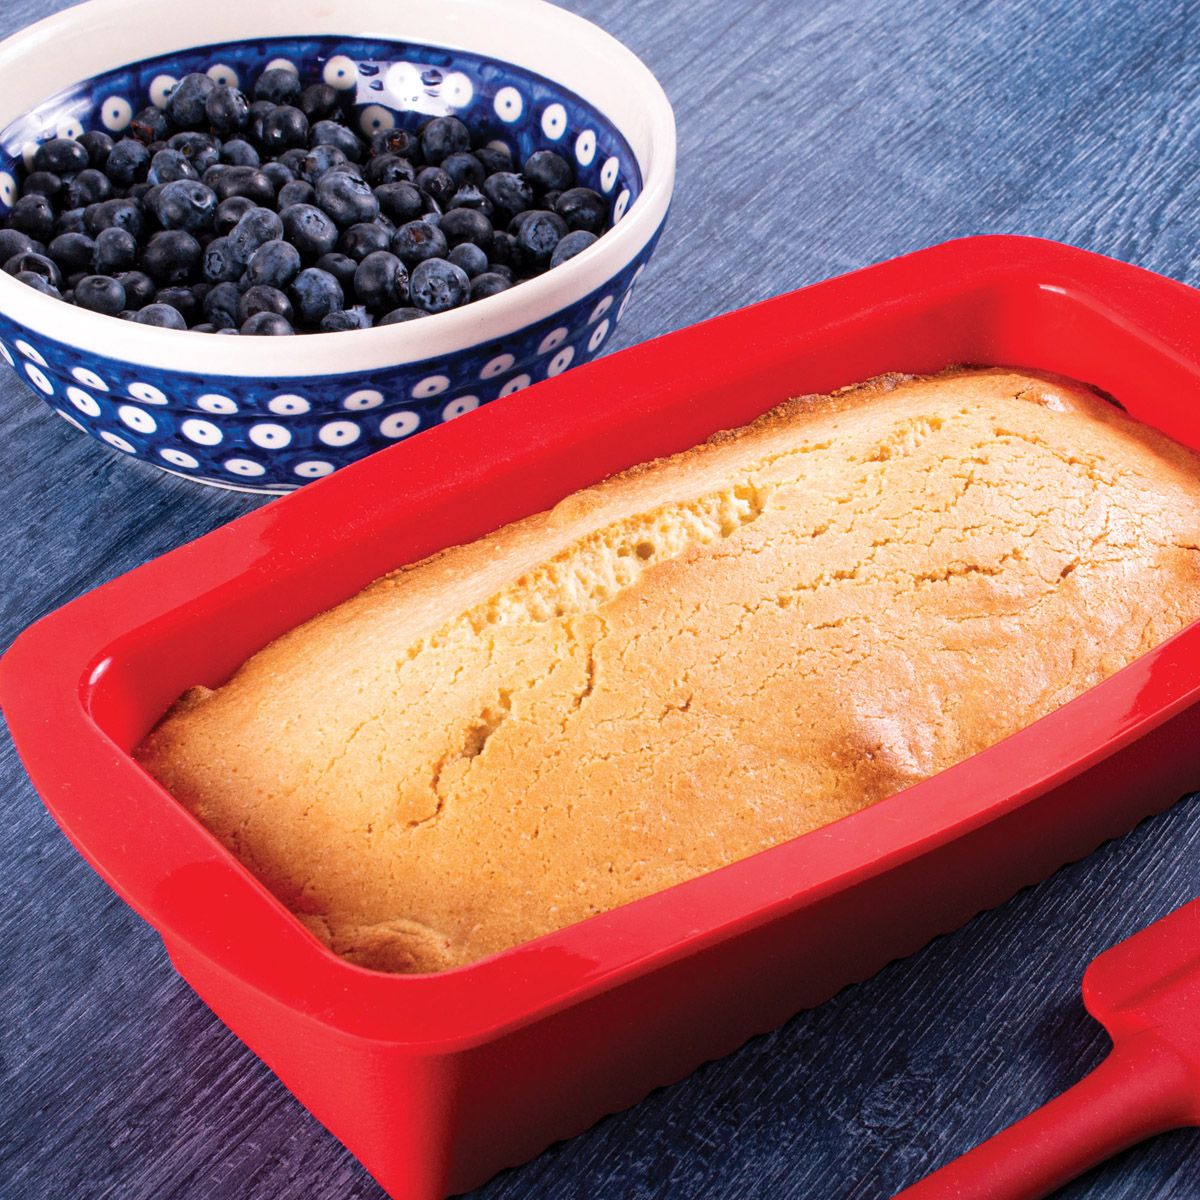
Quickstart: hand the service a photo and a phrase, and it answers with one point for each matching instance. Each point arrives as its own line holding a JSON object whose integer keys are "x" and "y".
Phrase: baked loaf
{"x": 691, "y": 661}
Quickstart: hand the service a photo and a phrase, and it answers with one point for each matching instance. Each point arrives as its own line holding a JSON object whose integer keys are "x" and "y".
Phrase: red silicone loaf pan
{"x": 437, "y": 1081}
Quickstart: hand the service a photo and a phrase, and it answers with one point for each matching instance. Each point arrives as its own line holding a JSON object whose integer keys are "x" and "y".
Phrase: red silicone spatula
{"x": 1146, "y": 992}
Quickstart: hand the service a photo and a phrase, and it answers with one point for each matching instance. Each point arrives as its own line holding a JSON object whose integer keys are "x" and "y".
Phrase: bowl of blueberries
{"x": 249, "y": 244}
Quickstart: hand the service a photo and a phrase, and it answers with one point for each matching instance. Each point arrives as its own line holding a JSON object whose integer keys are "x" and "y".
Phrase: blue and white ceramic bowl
{"x": 272, "y": 413}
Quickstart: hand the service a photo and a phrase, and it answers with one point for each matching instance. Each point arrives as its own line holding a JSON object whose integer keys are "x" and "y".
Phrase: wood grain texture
{"x": 814, "y": 138}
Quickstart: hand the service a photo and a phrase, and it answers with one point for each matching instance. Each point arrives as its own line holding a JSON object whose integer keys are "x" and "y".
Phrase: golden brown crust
{"x": 692, "y": 660}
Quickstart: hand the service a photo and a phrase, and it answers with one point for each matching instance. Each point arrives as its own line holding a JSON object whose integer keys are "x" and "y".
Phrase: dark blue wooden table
{"x": 814, "y": 137}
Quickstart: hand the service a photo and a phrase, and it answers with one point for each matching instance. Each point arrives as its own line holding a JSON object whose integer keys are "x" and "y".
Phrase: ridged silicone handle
{"x": 1141, "y": 1089}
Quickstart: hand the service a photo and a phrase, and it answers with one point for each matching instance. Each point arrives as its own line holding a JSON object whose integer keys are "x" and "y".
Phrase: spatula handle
{"x": 1141, "y": 1089}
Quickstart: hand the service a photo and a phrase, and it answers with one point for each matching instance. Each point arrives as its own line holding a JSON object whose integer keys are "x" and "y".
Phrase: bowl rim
{"x": 531, "y": 34}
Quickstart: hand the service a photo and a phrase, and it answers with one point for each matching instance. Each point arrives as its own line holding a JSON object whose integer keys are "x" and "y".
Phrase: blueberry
{"x": 163, "y": 316}
{"x": 504, "y": 248}
{"x": 279, "y": 174}
{"x": 575, "y": 242}
{"x": 284, "y": 128}
{"x": 244, "y": 181}
{"x": 318, "y": 160}
{"x": 182, "y": 299}
{"x": 262, "y": 298}
{"x": 139, "y": 288}
{"x": 342, "y": 319}
{"x": 364, "y": 238}
{"x": 72, "y": 252}
{"x": 98, "y": 146}
{"x": 470, "y": 258}
{"x": 39, "y": 283}
{"x": 278, "y": 85}
{"x": 314, "y": 293}
{"x": 88, "y": 187}
{"x": 221, "y": 263}
{"x": 171, "y": 256}
{"x": 109, "y": 214}
{"x": 550, "y": 199}
{"x": 548, "y": 171}
{"x": 202, "y": 150}
{"x": 437, "y": 285}
{"x": 128, "y": 162}
{"x": 187, "y": 103}
{"x": 436, "y": 184}
{"x": 464, "y": 168}
{"x": 62, "y": 156}
{"x": 275, "y": 264}
{"x": 389, "y": 168}
{"x": 399, "y": 315}
{"x": 443, "y": 136}
{"x": 330, "y": 133}
{"x": 267, "y": 324}
{"x": 230, "y": 212}
{"x": 346, "y": 199}
{"x": 42, "y": 183}
{"x": 114, "y": 250}
{"x": 227, "y": 109}
{"x": 417, "y": 241}
{"x": 37, "y": 264}
{"x": 238, "y": 152}
{"x": 292, "y": 159}
{"x": 168, "y": 165}
{"x": 381, "y": 281}
{"x": 221, "y": 304}
{"x": 71, "y": 221}
{"x": 341, "y": 267}
{"x": 495, "y": 158}
{"x": 100, "y": 293}
{"x": 13, "y": 242}
{"x": 259, "y": 111}
{"x": 509, "y": 192}
{"x": 583, "y": 208}
{"x": 400, "y": 202}
{"x": 295, "y": 191}
{"x": 466, "y": 225}
{"x": 471, "y": 197}
{"x": 258, "y": 226}
{"x": 539, "y": 233}
{"x": 33, "y": 215}
{"x": 185, "y": 204}
{"x": 310, "y": 230}
{"x": 150, "y": 125}
{"x": 488, "y": 284}
{"x": 396, "y": 141}
{"x": 318, "y": 101}
{"x": 204, "y": 327}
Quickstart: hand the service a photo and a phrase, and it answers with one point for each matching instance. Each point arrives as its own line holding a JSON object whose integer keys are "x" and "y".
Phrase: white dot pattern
{"x": 89, "y": 379}
{"x": 340, "y": 72}
{"x": 497, "y": 366}
{"x": 246, "y": 467}
{"x": 147, "y": 393}
{"x": 222, "y": 75}
{"x": 509, "y": 104}
{"x": 399, "y": 424}
{"x": 117, "y": 441}
{"x": 115, "y": 114}
{"x": 560, "y": 362}
{"x": 6, "y": 354}
{"x": 212, "y": 402}
{"x": 622, "y": 205}
{"x": 203, "y": 433}
{"x": 339, "y": 433}
{"x": 598, "y": 336}
{"x": 434, "y": 385}
{"x": 161, "y": 87}
{"x": 457, "y": 89}
{"x": 552, "y": 340}
{"x": 27, "y": 351}
{"x": 70, "y": 420}
{"x": 138, "y": 419}
{"x": 82, "y": 401}
{"x": 270, "y": 436}
{"x": 585, "y": 148}
{"x": 8, "y": 189}
{"x": 375, "y": 118}
{"x": 362, "y": 400}
{"x": 288, "y": 405}
{"x": 69, "y": 129}
{"x": 601, "y": 308}
{"x": 515, "y": 384}
{"x": 608, "y": 174}
{"x": 456, "y": 408}
{"x": 38, "y": 378}
{"x": 554, "y": 121}
{"x": 283, "y": 64}
{"x": 313, "y": 469}
{"x": 180, "y": 458}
